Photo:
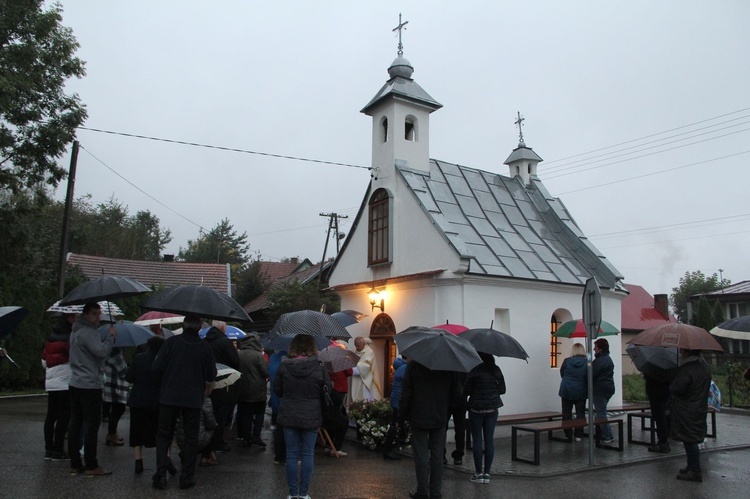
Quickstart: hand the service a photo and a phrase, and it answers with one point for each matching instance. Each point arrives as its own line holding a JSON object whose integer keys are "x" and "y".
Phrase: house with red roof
{"x": 641, "y": 311}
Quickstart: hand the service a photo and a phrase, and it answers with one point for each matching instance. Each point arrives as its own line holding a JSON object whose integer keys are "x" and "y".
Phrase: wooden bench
{"x": 552, "y": 426}
{"x": 528, "y": 417}
{"x": 645, "y": 416}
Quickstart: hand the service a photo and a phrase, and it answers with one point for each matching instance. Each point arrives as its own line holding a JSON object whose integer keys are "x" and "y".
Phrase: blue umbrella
{"x": 233, "y": 333}
{"x": 128, "y": 334}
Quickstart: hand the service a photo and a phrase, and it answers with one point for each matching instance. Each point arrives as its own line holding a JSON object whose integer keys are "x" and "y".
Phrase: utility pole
{"x": 333, "y": 224}
{"x": 66, "y": 219}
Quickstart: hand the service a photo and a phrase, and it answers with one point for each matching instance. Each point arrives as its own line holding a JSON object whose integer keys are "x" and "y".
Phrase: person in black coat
{"x": 484, "y": 385}
{"x": 657, "y": 391}
{"x": 187, "y": 369}
{"x": 689, "y": 409}
{"x": 299, "y": 383}
{"x": 224, "y": 399}
{"x": 425, "y": 398}
{"x": 143, "y": 401}
{"x": 603, "y": 370}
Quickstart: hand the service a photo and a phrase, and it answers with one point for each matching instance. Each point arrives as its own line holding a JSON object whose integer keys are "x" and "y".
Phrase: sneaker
{"x": 578, "y": 439}
{"x": 477, "y": 478}
{"x": 660, "y": 448}
{"x": 76, "y": 470}
{"x": 59, "y": 457}
{"x": 607, "y": 440}
{"x": 96, "y": 473}
{"x": 684, "y": 470}
{"x": 486, "y": 478}
{"x": 258, "y": 441}
{"x": 342, "y": 453}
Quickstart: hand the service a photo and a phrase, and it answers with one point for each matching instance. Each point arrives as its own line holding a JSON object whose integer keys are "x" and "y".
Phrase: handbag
{"x": 326, "y": 402}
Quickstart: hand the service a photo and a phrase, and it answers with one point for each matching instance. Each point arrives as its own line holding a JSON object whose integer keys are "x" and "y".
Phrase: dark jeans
{"x": 300, "y": 448}
{"x": 85, "y": 419}
{"x": 603, "y": 432}
{"x": 250, "y": 419}
{"x": 483, "y": 432}
{"x": 459, "y": 430}
{"x": 116, "y": 410}
{"x": 428, "y": 446}
{"x": 221, "y": 413}
{"x": 659, "y": 416}
{"x": 693, "y": 453}
{"x": 56, "y": 423}
{"x": 395, "y": 431}
{"x": 191, "y": 425}
{"x": 567, "y": 413}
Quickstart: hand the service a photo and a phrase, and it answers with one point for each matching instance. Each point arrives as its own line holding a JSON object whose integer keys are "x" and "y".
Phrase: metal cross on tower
{"x": 401, "y": 26}
{"x": 519, "y": 122}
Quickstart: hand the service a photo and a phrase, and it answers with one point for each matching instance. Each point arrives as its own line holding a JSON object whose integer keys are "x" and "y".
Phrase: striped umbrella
{"x": 77, "y": 309}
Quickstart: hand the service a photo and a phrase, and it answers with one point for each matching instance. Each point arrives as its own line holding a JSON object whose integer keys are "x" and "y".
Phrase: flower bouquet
{"x": 373, "y": 419}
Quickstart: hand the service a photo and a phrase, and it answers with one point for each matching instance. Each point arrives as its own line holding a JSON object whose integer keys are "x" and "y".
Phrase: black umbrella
{"x": 196, "y": 300}
{"x": 348, "y": 317}
{"x": 736, "y": 329}
{"x": 281, "y": 341}
{"x": 105, "y": 287}
{"x": 494, "y": 342}
{"x": 437, "y": 349}
{"x": 310, "y": 322}
{"x": 10, "y": 318}
{"x": 653, "y": 361}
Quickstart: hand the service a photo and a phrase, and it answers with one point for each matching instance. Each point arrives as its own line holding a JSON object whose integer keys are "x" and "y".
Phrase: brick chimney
{"x": 661, "y": 304}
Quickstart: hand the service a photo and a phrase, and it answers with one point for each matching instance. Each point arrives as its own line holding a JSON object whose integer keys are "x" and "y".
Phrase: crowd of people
{"x": 172, "y": 396}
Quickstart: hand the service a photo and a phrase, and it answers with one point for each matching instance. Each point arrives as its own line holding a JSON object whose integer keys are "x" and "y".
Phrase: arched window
{"x": 385, "y": 129}
{"x": 553, "y": 343}
{"x": 378, "y": 247}
{"x": 410, "y": 128}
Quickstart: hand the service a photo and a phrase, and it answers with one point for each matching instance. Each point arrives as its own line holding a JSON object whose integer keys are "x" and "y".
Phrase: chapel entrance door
{"x": 383, "y": 330}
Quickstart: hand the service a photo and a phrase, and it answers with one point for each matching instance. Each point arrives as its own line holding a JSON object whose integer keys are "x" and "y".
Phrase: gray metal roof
{"x": 405, "y": 88}
{"x": 506, "y": 229}
{"x": 742, "y": 287}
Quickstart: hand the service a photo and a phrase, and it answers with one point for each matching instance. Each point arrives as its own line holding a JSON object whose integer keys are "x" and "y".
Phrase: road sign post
{"x": 592, "y": 318}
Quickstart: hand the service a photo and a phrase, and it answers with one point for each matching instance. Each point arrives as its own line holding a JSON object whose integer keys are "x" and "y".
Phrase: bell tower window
{"x": 385, "y": 129}
{"x": 410, "y": 129}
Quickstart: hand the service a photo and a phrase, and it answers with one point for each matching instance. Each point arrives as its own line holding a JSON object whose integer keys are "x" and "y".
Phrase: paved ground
{"x": 564, "y": 473}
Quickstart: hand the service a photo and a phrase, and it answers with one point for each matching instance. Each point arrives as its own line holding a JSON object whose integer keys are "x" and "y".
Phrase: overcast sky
{"x": 667, "y": 81}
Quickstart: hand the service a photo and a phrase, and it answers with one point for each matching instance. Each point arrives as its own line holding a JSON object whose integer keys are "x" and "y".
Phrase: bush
{"x": 633, "y": 388}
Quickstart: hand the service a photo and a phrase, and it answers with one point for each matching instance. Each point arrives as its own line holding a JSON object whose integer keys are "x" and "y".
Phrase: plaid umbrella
{"x": 338, "y": 358}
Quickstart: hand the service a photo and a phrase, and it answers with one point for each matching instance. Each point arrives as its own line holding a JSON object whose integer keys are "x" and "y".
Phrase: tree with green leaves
{"x": 703, "y": 316}
{"x": 693, "y": 283}
{"x": 37, "y": 118}
{"x": 249, "y": 283}
{"x": 221, "y": 244}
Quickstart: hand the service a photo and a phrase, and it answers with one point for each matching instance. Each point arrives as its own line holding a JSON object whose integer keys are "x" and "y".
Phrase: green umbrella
{"x": 576, "y": 329}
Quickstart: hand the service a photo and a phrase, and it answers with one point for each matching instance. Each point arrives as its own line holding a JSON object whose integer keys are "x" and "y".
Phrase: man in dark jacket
{"x": 187, "y": 370}
{"x": 251, "y": 402}
{"x": 689, "y": 409}
{"x": 396, "y": 428}
{"x": 604, "y": 387}
{"x": 425, "y": 398}
{"x": 224, "y": 399}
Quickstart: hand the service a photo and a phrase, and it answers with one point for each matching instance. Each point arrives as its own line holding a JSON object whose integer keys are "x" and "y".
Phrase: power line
{"x": 659, "y": 227}
{"x": 221, "y": 148}
{"x": 639, "y": 148}
{"x": 141, "y": 190}
{"x": 653, "y": 173}
{"x": 649, "y": 136}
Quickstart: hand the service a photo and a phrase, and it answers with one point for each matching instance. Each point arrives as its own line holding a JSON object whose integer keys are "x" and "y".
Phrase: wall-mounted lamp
{"x": 377, "y": 300}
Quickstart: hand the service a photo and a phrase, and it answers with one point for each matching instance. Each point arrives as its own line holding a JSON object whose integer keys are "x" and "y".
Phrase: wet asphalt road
{"x": 250, "y": 472}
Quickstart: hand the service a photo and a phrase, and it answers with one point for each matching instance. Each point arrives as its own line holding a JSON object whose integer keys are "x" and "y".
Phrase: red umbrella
{"x": 451, "y": 328}
{"x": 161, "y": 318}
{"x": 677, "y": 335}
